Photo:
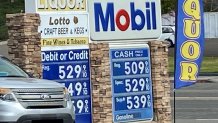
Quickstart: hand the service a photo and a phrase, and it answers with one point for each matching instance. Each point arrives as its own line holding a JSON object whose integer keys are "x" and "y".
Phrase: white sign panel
{"x": 43, "y": 6}
{"x": 124, "y": 19}
{"x": 67, "y": 29}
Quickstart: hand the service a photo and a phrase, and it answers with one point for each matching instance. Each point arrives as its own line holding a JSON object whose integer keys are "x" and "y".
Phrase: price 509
{"x": 136, "y": 67}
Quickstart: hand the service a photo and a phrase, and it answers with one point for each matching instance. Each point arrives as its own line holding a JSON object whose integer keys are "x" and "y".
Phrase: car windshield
{"x": 8, "y": 69}
{"x": 167, "y": 30}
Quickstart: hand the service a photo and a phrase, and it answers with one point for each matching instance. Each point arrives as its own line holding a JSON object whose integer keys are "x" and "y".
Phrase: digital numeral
{"x": 81, "y": 106}
{"x": 134, "y": 85}
{"x": 136, "y": 102}
{"x": 68, "y": 71}
{"x": 136, "y": 67}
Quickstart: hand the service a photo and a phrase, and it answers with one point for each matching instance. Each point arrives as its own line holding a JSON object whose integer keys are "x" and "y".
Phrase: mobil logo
{"x": 123, "y": 16}
{"x": 124, "y": 20}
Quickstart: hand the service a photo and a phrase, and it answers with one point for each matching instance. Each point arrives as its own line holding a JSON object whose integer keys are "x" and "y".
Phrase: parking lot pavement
{"x": 197, "y": 103}
{"x": 4, "y": 48}
{"x": 209, "y": 78}
{"x": 202, "y": 79}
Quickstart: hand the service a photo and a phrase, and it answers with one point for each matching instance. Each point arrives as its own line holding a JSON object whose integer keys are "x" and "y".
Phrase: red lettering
{"x": 124, "y": 13}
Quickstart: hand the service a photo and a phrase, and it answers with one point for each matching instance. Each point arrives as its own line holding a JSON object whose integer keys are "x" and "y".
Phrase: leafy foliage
{"x": 168, "y": 5}
{"x": 6, "y": 7}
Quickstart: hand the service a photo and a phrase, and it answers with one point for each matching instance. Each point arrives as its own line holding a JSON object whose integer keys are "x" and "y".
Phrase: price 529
{"x": 70, "y": 71}
{"x": 135, "y": 85}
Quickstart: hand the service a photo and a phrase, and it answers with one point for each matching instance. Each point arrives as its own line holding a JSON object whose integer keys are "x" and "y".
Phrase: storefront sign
{"x": 71, "y": 68}
{"x": 64, "y": 29}
{"x": 189, "y": 42}
{"x": 43, "y": 6}
{"x": 131, "y": 84}
{"x": 124, "y": 19}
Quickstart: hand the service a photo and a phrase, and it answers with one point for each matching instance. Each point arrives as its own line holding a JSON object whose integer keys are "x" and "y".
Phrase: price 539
{"x": 81, "y": 106}
{"x": 136, "y": 102}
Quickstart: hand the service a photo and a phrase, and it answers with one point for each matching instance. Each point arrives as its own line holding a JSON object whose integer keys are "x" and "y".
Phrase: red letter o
{"x": 122, "y": 27}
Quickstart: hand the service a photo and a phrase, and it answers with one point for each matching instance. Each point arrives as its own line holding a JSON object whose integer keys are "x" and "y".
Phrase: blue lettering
{"x": 148, "y": 11}
{"x": 135, "y": 13}
{"x": 104, "y": 20}
{"x": 107, "y": 19}
{"x": 154, "y": 15}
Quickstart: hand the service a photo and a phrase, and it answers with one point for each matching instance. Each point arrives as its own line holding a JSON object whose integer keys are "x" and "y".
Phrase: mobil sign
{"x": 124, "y": 19}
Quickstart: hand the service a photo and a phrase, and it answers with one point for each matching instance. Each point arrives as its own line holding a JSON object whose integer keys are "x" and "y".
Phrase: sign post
{"x": 190, "y": 42}
{"x": 71, "y": 68}
{"x": 64, "y": 29}
{"x": 131, "y": 84}
{"x": 125, "y": 23}
{"x": 124, "y": 19}
{"x": 65, "y": 52}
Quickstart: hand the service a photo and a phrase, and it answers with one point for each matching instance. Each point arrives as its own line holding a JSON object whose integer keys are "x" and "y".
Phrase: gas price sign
{"x": 71, "y": 68}
{"x": 132, "y": 86}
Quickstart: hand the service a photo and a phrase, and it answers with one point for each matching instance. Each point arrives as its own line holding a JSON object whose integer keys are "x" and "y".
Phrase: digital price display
{"x": 72, "y": 69}
{"x": 131, "y": 84}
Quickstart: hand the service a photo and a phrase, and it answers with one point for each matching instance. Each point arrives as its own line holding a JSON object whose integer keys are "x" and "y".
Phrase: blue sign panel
{"x": 131, "y": 84}
{"x": 71, "y": 68}
{"x": 189, "y": 42}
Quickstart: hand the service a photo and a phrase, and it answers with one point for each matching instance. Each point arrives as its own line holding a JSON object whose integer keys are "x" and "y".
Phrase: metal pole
{"x": 211, "y": 5}
{"x": 174, "y": 105}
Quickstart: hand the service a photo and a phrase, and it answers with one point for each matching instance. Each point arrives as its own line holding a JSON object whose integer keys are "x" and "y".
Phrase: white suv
{"x": 168, "y": 34}
{"x": 28, "y": 100}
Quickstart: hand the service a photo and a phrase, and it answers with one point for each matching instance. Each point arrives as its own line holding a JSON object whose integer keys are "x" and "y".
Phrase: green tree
{"x": 168, "y": 5}
{"x": 210, "y": 6}
{"x": 6, "y": 7}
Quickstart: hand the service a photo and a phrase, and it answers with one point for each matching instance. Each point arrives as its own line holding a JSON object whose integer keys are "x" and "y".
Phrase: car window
{"x": 167, "y": 30}
{"x": 7, "y": 68}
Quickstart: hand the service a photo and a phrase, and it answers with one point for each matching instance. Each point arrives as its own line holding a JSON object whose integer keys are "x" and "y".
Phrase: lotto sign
{"x": 64, "y": 29}
{"x": 190, "y": 42}
{"x": 43, "y": 6}
{"x": 71, "y": 68}
{"x": 131, "y": 84}
{"x": 124, "y": 19}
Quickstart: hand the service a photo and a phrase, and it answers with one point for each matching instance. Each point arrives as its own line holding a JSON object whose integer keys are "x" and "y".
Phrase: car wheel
{"x": 170, "y": 43}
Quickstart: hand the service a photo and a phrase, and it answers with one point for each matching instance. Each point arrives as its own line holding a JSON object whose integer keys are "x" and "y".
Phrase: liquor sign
{"x": 189, "y": 42}
{"x": 131, "y": 84}
{"x": 72, "y": 68}
{"x": 125, "y": 19}
{"x": 64, "y": 29}
{"x": 44, "y": 6}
